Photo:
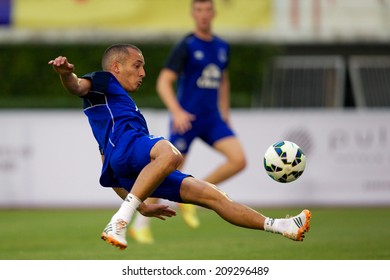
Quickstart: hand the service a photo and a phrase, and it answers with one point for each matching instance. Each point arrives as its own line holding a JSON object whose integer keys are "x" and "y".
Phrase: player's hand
{"x": 61, "y": 65}
{"x": 156, "y": 210}
{"x": 182, "y": 121}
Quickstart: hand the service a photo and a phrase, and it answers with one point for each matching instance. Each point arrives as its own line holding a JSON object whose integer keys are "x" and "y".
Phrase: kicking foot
{"x": 115, "y": 234}
{"x": 298, "y": 226}
{"x": 189, "y": 215}
{"x": 142, "y": 235}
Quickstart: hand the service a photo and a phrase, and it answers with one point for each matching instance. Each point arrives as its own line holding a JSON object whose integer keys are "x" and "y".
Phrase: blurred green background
{"x": 28, "y": 82}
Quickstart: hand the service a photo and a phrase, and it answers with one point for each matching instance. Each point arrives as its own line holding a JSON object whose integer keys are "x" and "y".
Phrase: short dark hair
{"x": 118, "y": 51}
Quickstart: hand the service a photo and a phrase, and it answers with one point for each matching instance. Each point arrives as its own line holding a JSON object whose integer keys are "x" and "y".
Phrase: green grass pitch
{"x": 74, "y": 234}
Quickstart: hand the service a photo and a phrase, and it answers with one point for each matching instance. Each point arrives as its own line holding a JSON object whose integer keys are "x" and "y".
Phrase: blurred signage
{"x": 242, "y": 20}
{"x": 348, "y": 158}
{"x": 136, "y": 14}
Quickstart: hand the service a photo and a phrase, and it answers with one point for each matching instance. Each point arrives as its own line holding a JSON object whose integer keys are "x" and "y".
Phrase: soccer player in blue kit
{"x": 138, "y": 165}
{"x": 199, "y": 108}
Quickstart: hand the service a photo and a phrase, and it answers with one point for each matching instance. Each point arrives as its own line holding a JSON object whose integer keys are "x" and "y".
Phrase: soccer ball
{"x": 284, "y": 161}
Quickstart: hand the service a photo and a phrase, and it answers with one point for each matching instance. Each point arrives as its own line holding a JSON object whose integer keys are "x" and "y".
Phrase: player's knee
{"x": 167, "y": 155}
{"x": 239, "y": 163}
{"x": 172, "y": 160}
{"x": 176, "y": 160}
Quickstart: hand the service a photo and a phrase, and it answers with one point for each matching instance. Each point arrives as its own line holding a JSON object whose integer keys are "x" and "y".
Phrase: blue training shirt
{"x": 110, "y": 111}
{"x": 199, "y": 65}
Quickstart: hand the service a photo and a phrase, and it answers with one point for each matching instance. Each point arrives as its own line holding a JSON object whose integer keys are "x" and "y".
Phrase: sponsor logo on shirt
{"x": 210, "y": 77}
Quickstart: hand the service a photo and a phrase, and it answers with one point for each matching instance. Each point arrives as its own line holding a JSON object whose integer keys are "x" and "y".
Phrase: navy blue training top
{"x": 199, "y": 65}
{"x": 110, "y": 111}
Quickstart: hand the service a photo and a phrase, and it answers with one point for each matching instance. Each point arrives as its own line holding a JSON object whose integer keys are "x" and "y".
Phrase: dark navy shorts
{"x": 132, "y": 154}
{"x": 208, "y": 128}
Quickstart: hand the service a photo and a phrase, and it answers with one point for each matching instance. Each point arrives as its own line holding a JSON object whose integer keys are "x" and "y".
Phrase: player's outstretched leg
{"x": 293, "y": 227}
{"x": 207, "y": 195}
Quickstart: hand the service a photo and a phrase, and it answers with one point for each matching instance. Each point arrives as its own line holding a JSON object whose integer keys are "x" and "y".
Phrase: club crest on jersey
{"x": 199, "y": 55}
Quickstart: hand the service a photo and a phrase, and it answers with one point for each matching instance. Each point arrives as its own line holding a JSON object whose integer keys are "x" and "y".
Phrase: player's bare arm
{"x": 181, "y": 118}
{"x": 224, "y": 97}
{"x": 69, "y": 79}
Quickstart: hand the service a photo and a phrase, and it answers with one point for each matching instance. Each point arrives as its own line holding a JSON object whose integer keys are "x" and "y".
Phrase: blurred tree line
{"x": 27, "y": 81}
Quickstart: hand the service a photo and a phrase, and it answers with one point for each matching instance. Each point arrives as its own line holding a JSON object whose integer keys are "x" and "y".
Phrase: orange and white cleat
{"x": 298, "y": 226}
{"x": 115, "y": 234}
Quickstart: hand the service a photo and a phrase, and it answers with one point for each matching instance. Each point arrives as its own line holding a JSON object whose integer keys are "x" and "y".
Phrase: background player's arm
{"x": 224, "y": 97}
{"x": 165, "y": 89}
{"x": 69, "y": 79}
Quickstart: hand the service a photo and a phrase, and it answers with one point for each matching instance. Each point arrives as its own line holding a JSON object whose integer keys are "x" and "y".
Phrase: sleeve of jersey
{"x": 228, "y": 57}
{"x": 100, "y": 80}
{"x": 177, "y": 58}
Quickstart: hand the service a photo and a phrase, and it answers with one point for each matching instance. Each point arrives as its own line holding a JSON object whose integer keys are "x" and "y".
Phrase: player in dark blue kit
{"x": 200, "y": 107}
{"x": 138, "y": 165}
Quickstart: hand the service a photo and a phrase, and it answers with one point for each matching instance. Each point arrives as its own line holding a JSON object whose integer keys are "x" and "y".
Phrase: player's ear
{"x": 115, "y": 67}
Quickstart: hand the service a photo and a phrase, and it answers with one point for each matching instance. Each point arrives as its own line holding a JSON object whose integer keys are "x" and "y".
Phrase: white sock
{"x": 127, "y": 209}
{"x": 275, "y": 225}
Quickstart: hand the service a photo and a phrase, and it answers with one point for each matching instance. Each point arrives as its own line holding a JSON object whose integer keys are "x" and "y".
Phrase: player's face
{"x": 132, "y": 71}
{"x": 203, "y": 13}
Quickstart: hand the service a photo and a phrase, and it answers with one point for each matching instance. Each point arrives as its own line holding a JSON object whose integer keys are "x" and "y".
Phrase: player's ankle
{"x": 273, "y": 225}
{"x": 127, "y": 209}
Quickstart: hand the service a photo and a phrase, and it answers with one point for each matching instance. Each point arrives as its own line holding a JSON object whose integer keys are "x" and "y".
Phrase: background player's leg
{"x": 231, "y": 148}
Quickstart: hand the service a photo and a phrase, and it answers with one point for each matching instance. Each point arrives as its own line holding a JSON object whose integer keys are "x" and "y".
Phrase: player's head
{"x": 126, "y": 63}
{"x": 202, "y": 12}
{"x": 116, "y": 52}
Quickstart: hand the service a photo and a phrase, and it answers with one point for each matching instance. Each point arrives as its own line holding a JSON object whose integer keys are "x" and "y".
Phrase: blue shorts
{"x": 131, "y": 154}
{"x": 168, "y": 189}
{"x": 208, "y": 128}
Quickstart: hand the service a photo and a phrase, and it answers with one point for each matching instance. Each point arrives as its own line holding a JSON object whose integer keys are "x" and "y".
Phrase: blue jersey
{"x": 199, "y": 65}
{"x": 111, "y": 112}
{"x": 123, "y": 137}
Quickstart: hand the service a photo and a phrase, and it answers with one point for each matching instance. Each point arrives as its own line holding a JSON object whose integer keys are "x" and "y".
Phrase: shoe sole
{"x": 305, "y": 228}
{"x": 113, "y": 242}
